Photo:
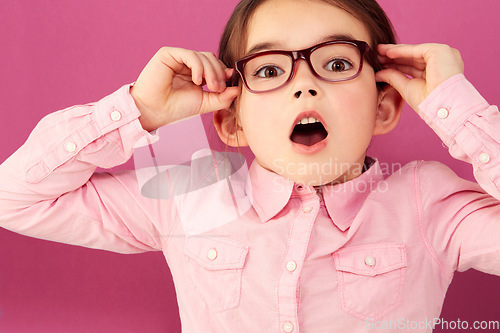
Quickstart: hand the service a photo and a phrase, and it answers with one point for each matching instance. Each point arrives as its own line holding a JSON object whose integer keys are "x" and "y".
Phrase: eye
{"x": 269, "y": 72}
{"x": 338, "y": 65}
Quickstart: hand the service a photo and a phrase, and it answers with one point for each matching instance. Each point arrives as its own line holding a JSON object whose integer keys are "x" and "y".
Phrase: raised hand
{"x": 170, "y": 87}
{"x": 416, "y": 70}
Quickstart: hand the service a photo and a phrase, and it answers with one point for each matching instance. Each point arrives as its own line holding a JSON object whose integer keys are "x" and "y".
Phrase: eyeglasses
{"x": 333, "y": 61}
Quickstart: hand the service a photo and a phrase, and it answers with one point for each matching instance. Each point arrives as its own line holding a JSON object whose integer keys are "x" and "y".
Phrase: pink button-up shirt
{"x": 269, "y": 255}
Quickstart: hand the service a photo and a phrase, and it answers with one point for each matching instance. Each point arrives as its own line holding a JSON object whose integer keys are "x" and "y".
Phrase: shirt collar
{"x": 271, "y": 192}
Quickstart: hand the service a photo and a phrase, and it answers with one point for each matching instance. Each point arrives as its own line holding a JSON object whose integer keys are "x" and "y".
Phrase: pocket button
{"x": 370, "y": 261}
{"x": 212, "y": 254}
{"x": 70, "y": 147}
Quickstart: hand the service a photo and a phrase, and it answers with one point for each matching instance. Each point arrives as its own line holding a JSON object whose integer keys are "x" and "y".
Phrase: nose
{"x": 311, "y": 91}
{"x": 304, "y": 80}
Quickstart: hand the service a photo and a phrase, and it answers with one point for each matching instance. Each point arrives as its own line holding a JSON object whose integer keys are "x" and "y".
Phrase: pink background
{"x": 59, "y": 53}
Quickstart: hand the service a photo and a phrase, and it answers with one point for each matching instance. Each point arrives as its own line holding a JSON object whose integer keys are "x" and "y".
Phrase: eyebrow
{"x": 274, "y": 45}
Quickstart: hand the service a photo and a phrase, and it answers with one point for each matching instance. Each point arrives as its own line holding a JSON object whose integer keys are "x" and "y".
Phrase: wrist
{"x": 146, "y": 124}
{"x": 147, "y": 117}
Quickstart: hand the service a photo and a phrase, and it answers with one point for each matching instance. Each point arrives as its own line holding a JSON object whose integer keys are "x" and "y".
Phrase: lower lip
{"x": 317, "y": 147}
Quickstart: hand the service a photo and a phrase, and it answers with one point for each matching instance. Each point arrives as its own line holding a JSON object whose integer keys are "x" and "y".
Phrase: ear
{"x": 390, "y": 104}
{"x": 227, "y": 125}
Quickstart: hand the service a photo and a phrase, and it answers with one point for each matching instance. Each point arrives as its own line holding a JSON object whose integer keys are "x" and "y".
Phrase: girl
{"x": 327, "y": 244}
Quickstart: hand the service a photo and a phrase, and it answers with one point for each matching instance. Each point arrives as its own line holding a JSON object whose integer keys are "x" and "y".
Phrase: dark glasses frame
{"x": 304, "y": 54}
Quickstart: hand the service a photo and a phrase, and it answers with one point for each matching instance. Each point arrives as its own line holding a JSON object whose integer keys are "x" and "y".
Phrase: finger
{"x": 416, "y": 63}
{"x": 407, "y": 70}
{"x": 228, "y": 72}
{"x": 184, "y": 62}
{"x": 384, "y": 49}
{"x": 412, "y": 90}
{"x": 209, "y": 73}
{"x": 394, "y": 78}
{"x": 219, "y": 70}
{"x": 191, "y": 60}
{"x": 383, "y": 59}
{"x": 228, "y": 96}
{"x": 394, "y": 51}
{"x": 218, "y": 101}
{"x": 418, "y": 51}
{"x": 389, "y": 55}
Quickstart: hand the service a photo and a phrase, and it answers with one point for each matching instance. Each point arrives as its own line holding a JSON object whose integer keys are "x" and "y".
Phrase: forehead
{"x": 298, "y": 24}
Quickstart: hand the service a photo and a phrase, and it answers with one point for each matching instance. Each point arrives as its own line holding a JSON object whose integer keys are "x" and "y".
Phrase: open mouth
{"x": 308, "y": 131}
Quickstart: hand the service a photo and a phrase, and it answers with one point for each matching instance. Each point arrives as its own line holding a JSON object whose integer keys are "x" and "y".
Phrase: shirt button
{"x": 307, "y": 209}
{"x": 291, "y": 266}
{"x": 116, "y": 115}
{"x": 484, "y": 158}
{"x": 70, "y": 147}
{"x": 443, "y": 113}
{"x": 370, "y": 261}
{"x": 212, "y": 254}
{"x": 288, "y": 327}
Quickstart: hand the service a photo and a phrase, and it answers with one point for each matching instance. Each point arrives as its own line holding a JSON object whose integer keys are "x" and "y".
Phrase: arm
{"x": 469, "y": 126}
{"x": 460, "y": 219}
{"x": 49, "y": 190}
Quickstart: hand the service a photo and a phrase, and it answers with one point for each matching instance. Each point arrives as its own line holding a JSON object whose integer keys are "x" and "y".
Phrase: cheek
{"x": 253, "y": 121}
{"x": 360, "y": 99}
{"x": 248, "y": 113}
{"x": 257, "y": 113}
{"x": 355, "y": 109}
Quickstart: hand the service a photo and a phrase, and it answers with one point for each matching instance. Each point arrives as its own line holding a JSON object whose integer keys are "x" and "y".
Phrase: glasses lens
{"x": 267, "y": 72}
{"x": 336, "y": 61}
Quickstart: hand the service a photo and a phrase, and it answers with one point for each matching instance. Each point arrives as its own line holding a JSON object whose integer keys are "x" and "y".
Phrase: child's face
{"x": 348, "y": 109}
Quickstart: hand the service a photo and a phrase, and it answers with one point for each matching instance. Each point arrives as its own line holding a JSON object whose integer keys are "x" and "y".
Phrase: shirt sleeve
{"x": 469, "y": 126}
{"x": 461, "y": 219}
{"x": 49, "y": 188}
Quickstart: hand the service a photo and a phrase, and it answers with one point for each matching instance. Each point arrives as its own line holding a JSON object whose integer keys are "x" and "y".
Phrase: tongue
{"x": 308, "y": 138}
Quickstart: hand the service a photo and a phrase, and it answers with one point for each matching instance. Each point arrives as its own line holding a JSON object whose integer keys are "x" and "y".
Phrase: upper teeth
{"x": 308, "y": 120}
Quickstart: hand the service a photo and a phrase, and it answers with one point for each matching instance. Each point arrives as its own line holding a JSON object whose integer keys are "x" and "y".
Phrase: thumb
{"x": 412, "y": 90}
{"x": 219, "y": 101}
{"x": 394, "y": 78}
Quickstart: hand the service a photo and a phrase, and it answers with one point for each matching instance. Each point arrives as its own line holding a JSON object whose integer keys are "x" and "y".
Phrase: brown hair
{"x": 234, "y": 37}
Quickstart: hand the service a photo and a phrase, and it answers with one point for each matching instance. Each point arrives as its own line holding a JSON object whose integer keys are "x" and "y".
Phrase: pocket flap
{"x": 216, "y": 253}
{"x": 371, "y": 259}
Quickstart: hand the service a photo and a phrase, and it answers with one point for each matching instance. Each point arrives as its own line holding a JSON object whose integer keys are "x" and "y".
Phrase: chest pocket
{"x": 371, "y": 278}
{"x": 216, "y": 266}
